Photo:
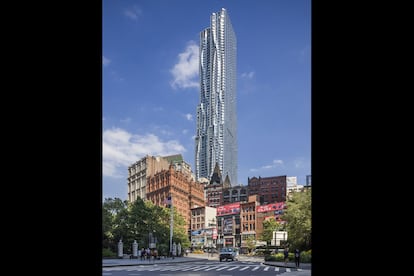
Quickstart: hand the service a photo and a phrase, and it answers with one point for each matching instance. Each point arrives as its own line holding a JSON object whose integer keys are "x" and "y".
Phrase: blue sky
{"x": 150, "y": 84}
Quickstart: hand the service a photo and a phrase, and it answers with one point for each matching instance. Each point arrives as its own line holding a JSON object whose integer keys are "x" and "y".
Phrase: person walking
{"x": 142, "y": 254}
{"x": 297, "y": 258}
{"x": 286, "y": 255}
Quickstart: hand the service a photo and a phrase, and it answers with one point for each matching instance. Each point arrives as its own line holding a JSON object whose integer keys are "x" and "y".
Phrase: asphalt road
{"x": 205, "y": 268}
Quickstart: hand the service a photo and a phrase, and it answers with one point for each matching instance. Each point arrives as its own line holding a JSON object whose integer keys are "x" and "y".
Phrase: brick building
{"x": 269, "y": 189}
{"x": 215, "y": 188}
{"x": 185, "y": 192}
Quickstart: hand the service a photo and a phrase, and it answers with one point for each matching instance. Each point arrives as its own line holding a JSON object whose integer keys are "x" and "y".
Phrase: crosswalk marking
{"x": 201, "y": 267}
{"x": 211, "y": 268}
{"x": 196, "y": 268}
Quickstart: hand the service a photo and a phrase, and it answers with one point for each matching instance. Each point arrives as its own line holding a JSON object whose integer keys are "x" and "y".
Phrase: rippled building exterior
{"x": 216, "y": 134}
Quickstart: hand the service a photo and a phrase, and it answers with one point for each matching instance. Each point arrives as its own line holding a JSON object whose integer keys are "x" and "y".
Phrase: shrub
{"x": 306, "y": 256}
{"x": 107, "y": 253}
{"x": 278, "y": 257}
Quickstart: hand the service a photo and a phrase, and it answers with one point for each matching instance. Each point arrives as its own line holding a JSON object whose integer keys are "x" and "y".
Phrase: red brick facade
{"x": 185, "y": 192}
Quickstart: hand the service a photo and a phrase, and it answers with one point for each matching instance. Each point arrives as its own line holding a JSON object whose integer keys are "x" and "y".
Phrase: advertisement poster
{"x": 214, "y": 233}
{"x": 228, "y": 209}
{"x": 271, "y": 207}
{"x": 228, "y": 226}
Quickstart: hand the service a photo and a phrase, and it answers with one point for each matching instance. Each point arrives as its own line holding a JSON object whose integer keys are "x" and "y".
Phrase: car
{"x": 228, "y": 253}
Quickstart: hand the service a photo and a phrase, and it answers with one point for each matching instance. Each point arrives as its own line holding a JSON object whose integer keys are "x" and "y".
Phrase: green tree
{"x": 269, "y": 226}
{"x": 136, "y": 224}
{"x": 250, "y": 243}
{"x": 138, "y": 221}
{"x": 157, "y": 223}
{"x": 111, "y": 207}
{"x": 298, "y": 216}
{"x": 180, "y": 230}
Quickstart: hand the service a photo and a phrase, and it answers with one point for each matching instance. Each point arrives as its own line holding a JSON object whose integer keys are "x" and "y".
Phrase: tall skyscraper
{"x": 216, "y": 134}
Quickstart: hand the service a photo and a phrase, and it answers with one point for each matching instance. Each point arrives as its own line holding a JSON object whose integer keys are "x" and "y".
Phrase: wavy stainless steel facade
{"x": 216, "y": 134}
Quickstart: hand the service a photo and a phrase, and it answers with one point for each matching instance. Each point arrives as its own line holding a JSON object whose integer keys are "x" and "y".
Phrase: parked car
{"x": 228, "y": 253}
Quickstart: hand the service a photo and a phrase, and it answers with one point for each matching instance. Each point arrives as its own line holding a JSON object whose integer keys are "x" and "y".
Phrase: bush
{"x": 278, "y": 257}
{"x": 107, "y": 253}
{"x": 305, "y": 257}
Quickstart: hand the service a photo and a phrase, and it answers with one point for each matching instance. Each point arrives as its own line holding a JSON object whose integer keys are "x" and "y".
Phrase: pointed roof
{"x": 216, "y": 177}
{"x": 227, "y": 183}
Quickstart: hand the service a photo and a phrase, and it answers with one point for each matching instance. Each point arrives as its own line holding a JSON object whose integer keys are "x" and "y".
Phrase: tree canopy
{"x": 140, "y": 221}
{"x": 298, "y": 215}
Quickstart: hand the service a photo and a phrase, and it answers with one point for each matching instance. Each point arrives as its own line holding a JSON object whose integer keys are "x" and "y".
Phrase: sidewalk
{"x": 307, "y": 266}
{"x": 129, "y": 262}
{"x": 192, "y": 258}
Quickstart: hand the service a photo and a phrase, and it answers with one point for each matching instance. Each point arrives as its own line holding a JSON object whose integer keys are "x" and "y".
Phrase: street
{"x": 239, "y": 268}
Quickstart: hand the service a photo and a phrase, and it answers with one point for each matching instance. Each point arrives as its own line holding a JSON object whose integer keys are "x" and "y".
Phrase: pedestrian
{"x": 297, "y": 258}
{"x": 148, "y": 253}
{"x": 142, "y": 254}
{"x": 286, "y": 255}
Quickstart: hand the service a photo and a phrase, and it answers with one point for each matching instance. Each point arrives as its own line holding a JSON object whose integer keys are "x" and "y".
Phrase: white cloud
{"x": 185, "y": 72}
{"x": 105, "y": 61}
{"x": 189, "y": 116}
{"x": 275, "y": 163}
{"x": 249, "y": 75}
{"x": 133, "y": 12}
{"x": 121, "y": 149}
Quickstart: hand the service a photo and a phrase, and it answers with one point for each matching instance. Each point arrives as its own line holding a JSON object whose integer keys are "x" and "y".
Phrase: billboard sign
{"x": 229, "y": 209}
{"x": 271, "y": 207}
{"x": 228, "y": 226}
{"x": 214, "y": 233}
{"x": 203, "y": 232}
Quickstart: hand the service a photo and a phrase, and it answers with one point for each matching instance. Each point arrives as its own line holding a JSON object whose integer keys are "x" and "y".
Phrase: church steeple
{"x": 227, "y": 183}
{"x": 216, "y": 177}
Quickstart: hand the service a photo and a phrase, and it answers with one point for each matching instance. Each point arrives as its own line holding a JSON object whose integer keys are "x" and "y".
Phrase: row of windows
{"x": 249, "y": 217}
{"x": 248, "y": 209}
{"x": 214, "y": 200}
{"x": 198, "y": 226}
{"x": 198, "y": 212}
{"x": 249, "y": 227}
{"x": 198, "y": 219}
{"x": 235, "y": 192}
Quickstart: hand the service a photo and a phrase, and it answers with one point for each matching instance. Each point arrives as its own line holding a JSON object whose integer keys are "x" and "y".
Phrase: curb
{"x": 152, "y": 263}
{"x": 305, "y": 266}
